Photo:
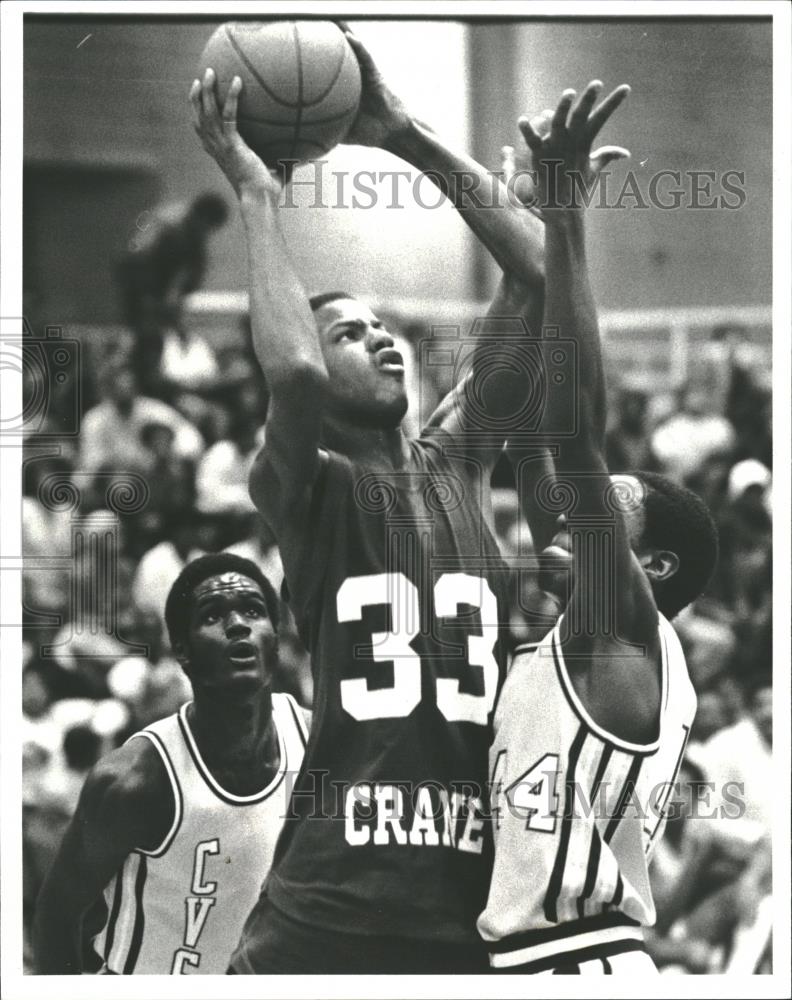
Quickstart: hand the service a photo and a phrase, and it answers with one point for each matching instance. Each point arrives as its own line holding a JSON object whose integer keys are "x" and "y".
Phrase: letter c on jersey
{"x": 199, "y": 887}
{"x": 184, "y": 957}
{"x": 357, "y": 795}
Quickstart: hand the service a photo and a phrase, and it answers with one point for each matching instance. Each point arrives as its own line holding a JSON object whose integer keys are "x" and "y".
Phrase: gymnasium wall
{"x": 701, "y": 101}
{"x": 105, "y": 108}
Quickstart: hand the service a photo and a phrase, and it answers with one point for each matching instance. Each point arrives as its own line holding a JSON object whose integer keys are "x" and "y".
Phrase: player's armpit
{"x": 288, "y": 464}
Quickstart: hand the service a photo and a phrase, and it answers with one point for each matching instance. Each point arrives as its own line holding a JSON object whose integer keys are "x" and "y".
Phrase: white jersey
{"x": 576, "y": 814}
{"x": 181, "y": 908}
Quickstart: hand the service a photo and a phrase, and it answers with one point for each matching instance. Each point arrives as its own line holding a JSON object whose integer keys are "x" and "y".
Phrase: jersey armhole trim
{"x": 299, "y": 720}
{"x": 643, "y": 749}
{"x": 525, "y": 647}
{"x": 177, "y": 795}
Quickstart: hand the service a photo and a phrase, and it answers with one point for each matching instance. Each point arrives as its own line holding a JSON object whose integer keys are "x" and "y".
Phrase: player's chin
{"x": 391, "y": 406}
{"x": 243, "y": 684}
{"x": 248, "y": 671}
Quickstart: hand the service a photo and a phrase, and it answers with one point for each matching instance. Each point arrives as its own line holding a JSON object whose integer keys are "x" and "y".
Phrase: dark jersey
{"x": 398, "y": 588}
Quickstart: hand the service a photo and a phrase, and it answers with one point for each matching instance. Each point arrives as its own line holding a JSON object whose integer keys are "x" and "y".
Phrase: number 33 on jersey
{"x": 365, "y": 698}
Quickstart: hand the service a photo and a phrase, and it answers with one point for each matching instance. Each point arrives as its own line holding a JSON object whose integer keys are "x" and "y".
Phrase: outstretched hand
{"x": 381, "y": 114}
{"x": 221, "y": 140}
{"x": 560, "y": 143}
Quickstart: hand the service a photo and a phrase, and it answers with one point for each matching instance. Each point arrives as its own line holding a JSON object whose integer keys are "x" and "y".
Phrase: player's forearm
{"x": 284, "y": 332}
{"x": 503, "y": 386}
{"x": 56, "y": 938}
{"x": 569, "y": 306}
{"x": 514, "y": 237}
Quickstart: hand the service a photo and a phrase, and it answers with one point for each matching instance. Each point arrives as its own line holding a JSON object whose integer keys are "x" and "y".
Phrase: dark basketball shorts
{"x": 274, "y": 943}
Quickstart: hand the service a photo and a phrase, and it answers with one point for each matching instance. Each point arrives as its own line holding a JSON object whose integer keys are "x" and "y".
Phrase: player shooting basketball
{"x": 394, "y": 578}
{"x": 591, "y": 724}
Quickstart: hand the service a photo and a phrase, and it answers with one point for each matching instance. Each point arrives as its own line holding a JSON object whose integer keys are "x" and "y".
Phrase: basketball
{"x": 301, "y": 84}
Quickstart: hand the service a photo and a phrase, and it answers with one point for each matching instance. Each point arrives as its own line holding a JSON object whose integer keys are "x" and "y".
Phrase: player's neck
{"x": 236, "y": 739}
{"x": 374, "y": 447}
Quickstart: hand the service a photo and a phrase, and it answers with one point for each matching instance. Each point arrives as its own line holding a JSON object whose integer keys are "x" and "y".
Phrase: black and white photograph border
{"x": 17, "y": 982}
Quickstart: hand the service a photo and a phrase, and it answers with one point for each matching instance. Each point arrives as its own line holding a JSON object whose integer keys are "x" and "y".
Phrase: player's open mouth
{"x": 390, "y": 360}
{"x": 242, "y": 653}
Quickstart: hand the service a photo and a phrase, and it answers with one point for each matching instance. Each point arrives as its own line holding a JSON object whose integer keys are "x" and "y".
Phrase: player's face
{"x": 232, "y": 646}
{"x": 556, "y": 569}
{"x": 366, "y": 371}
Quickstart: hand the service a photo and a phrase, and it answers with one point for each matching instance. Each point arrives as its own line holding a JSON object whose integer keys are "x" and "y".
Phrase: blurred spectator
{"x": 166, "y": 259}
{"x": 40, "y": 738}
{"x": 745, "y": 530}
{"x": 745, "y": 396}
{"x": 171, "y": 485}
{"x": 708, "y": 644}
{"x": 46, "y": 534}
{"x": 154, "y": 685}
{"x": 691, "y": 435}
{"x": 738, "y": 760}
{"x": 261, "y": 549}
{"x": 628, "y": 443}
{"x": 675, "y": 863}
{"x": 236, "y": 364}
{"x": 81, "y": 747}
{"x": 188, "y": 361}
{"x": 57, "y": 787}
{"x": 44, "y": 737}
{"x": 86, "y": 653}
{"x": 709, "y": 897}
{"x": 730, "y": 695}
{"x": 160, "y": 566}
{"x": 111, "y": 431}
{"x": 222, "y": 476}
{"x": 749, "y": 478}
{"x": 710, "y": 481}
{"x": 710, "y": 717}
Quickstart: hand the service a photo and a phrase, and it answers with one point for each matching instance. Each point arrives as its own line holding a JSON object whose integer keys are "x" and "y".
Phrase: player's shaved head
{"x": 317, "y": 301}
{"x": 677, "y": 520}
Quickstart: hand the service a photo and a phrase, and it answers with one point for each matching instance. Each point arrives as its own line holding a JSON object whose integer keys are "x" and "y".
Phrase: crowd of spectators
{"x": 96, "y": 670}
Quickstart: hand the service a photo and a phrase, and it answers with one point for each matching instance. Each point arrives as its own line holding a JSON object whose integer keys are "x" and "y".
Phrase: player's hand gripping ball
{"x": 300, "y": 85}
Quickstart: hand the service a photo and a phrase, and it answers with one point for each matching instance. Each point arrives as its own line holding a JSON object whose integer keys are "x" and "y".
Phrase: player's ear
{"x": 180, "y": 652}
{"x": 660, "y": 564}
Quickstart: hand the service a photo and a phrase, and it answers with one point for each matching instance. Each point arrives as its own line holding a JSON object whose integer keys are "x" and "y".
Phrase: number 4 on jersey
{"x": 533, "y": 795}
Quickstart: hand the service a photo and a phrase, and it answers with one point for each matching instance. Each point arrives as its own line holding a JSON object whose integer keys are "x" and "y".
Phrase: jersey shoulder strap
{"x": 161, "y": 734}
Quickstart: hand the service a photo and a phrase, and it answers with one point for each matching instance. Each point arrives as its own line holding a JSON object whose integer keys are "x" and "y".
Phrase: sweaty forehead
{"x": 225, "y": 583}
{"x": 342, "y": 311}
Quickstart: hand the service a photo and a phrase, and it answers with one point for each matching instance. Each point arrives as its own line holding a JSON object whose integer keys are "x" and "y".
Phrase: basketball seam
{"x": 311, "y": 121}
{"x": 336, "y": 74}
{"x": 305, "y": 142}
{"x": 300, "y": 90}
{"x": 240, "y": 52}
